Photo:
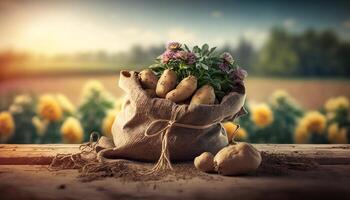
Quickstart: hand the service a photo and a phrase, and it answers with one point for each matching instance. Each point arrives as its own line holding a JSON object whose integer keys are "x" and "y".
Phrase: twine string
{"x": 164, "y": 159}
{"x": 76, "y": 161}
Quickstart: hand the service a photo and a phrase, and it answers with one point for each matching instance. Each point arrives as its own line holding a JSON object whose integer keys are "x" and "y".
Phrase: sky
{"x": 69, "y": 26}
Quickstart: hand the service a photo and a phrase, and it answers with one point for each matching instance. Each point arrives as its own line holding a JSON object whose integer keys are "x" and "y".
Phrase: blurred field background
{"x": 49, "y": 47}
{"x": 310, "y": 93}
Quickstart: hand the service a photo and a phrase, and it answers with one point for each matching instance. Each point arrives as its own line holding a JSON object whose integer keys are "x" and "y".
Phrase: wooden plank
{"x": 36, "y": 182}
{"x": 324, "y": 154}
{"x": 22, "y": 178}
{"x": 33, "y": 154}
{"x": 36, "y": 154}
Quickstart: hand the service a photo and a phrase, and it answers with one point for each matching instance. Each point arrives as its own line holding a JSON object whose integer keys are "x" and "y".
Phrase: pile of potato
{"x": 167, "y": 87}
{"x": 237, "y": 159}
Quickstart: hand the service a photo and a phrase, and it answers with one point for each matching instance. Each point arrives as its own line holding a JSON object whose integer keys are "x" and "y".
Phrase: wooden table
{"x": 24, "y": 175}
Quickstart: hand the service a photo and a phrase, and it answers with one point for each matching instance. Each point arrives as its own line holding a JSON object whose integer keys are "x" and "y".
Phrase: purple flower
{"x": 227, "y": 57}
{"x": 181, "y": 55}
{"x": 167, "y": 55}
{"x": 173, "y": 46}
{"x": 191, "y": 58}
{"x": 239, "y": 74}
{"x": 224, "y": 67}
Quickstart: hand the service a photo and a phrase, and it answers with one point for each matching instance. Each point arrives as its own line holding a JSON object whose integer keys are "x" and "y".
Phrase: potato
{"x": 237, "y": 159}
{"x": 166, "y": 83}
{"x": 204, "y": 95}
{"x": 204, "y": 162}
{"x": 184, "y": 90}
{"x": 148, "y": 79}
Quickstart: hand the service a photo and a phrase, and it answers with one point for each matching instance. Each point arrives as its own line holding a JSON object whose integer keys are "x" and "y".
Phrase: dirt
{"x": 91, "y": 169}
{"x": 140, "y": 172}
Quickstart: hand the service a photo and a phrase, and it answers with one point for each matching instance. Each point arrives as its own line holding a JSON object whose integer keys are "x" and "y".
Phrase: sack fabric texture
{"x": 156, "y": 129}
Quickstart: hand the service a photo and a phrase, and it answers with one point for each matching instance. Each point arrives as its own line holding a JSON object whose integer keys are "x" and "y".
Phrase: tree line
{"x": 306, "y": 54}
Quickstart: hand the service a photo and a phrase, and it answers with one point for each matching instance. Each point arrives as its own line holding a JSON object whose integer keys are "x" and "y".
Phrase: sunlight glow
{"x": 61, "y": 33}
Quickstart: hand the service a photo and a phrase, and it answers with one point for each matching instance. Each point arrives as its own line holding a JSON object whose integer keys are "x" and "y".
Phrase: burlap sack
{"x": 151, "y": 129}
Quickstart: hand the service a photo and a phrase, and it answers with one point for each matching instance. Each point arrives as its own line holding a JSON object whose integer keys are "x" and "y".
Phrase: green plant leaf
{"x": 205, "y": 49}
{"x": 186, "y": 48}
{"x": 197, "y": 50}
{"x": 211, "y": 50}
{"x": 204, "y": 66}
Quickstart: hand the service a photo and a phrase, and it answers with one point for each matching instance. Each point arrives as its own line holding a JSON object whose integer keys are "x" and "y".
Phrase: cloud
{"x": 216, "y": 14}
{"x": 289, "y": 23}
{"x": 346, "y": 24}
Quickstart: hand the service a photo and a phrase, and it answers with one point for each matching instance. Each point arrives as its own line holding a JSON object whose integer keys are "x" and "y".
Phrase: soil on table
{"x": 272, "y": 165}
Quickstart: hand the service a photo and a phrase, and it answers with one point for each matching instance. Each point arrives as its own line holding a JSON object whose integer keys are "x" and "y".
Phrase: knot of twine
{"x": 164, "y": 159}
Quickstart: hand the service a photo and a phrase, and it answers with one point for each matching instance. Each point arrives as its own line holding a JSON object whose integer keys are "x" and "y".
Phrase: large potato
{"x": 184, "y": 90}
{"x": 167, "y": 82}
{"x": 204, "y": 95}
{"x": 238, "y": 159}
{"x": 148, "y": 79}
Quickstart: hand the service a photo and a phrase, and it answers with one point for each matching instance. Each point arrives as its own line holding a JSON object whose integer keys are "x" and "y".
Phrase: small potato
{"x": 204, "y": 162}
{"x": 148, "y": 79}
{"x": 204, "y": 95}
{"x": 151, "y": 93}
{"x": 237, "y": 159}
{"x": 166, "y": 83}
{"x": 183, "y": 90}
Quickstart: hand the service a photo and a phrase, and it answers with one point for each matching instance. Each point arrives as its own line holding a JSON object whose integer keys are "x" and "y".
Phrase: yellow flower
{"x": 40, "y": 125}
{"x": 336, "y": 135}
{"x": 92, "y": 86}
{"x": 7, "y": 125}
{"x": 314, "y": 122}
{"x": 333, "y": 130}
{"x": 262, "y": 115}
{"x": 15, "y": 108}
{"x": 241, "y": 134}
{"x": 49, "y": 108}
{"x": 330, "y": 115}
{"x": 279, "y": 94}
{"x": 107, "y": 123}
{"x": 337, "y": 103}
{"x": 301, "y": 134}
{"x": 72, "y": 131}
{"x": 19, "y": 102}
{"x": 65, "y": 103}
{"x": 233, "y": 132}
{"x": 230, "y": 128}
{"x": 22, "y": 99}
